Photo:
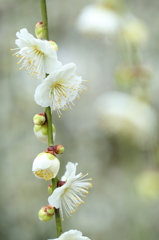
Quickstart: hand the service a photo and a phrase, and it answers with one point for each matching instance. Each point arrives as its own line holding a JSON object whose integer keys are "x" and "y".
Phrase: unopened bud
{"x": 54, "y": 46}
{"x": 46, "y": 213}
{"x": 39, "y": 119}
{"x": 50, "y": 210}
{"x": 59, "y": 149}
{"x": 45, "y": 166}
{"x": 39, "y": 30}
{"x": 50, "y": 189}
{"x": 41, "y": 132}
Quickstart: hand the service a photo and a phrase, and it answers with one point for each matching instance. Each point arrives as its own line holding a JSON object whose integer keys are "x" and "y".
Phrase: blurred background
{"x": 112, "y": 132}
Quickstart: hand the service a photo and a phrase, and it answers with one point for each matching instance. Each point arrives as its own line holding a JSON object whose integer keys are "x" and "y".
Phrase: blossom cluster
{"x": 71, "y": 188}
{"x": 59, "y": 87}
{"x": 39, "y": 57}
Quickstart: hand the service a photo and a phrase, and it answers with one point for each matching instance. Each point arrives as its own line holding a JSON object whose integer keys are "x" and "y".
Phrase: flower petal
{"x": 41, "y": 162}
{"x": 51, "y": 63}
{"x": 70, "y": 169}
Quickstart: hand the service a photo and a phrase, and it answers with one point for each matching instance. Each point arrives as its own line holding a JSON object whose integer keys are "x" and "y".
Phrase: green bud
{"x": 37, "y": 128}
{"x": 41, "y": 132}
{"x": 39, "y": 30}
{"x": 50, "y": 211}
{"x": 44, "y": 129}
{"x": 50, "y": 189}
{"x": 44, "y": 216}
{"x": 46, "y": 213}
{"x": 59, "y": 149}
{"x": 54, "y": 46}
{"x": 39, "y": 119}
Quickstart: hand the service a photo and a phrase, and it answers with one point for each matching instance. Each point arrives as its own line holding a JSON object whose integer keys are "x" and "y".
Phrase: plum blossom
{"x": 68, "y": 196}
{"x": 59, "y": 89}
{"x": 36, "y": 55}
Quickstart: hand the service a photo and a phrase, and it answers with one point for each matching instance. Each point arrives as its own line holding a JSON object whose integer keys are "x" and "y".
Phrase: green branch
{"x": 49, "y": 126}
{"x": 44, "y": 18}
{"x": 57, "y": 212}
{"x": 49, "y": 117}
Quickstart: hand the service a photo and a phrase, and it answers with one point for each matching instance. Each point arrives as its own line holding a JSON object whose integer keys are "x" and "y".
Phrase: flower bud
{"x": 45, "y": 166}
{"x": 39, "y": 119}
{"x": 39, "y": 30}
{"x": 54, "y": 46}
{"x": 46, "y": 213}
{"x": 50, "y": 188}
{"x": 50, "y": 210}
{"x": 59, "y": 149}
{"x": 41, "y": 132}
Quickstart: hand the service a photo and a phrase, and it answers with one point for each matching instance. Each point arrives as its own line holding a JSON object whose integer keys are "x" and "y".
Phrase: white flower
{"x": 41, "y": 132}
{"x": 98, "y": 21}
{"x": 125, "y": 115}
{"x": 71, "y": 235}
{"x": 46, "y": 166}
{"x": 36, "y": 55}
{"x": 59, "y": 89}
{"x": 68, "y": 196}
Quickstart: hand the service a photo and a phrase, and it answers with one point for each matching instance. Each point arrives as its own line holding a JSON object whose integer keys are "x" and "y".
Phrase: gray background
{"x": 112, "y": 210}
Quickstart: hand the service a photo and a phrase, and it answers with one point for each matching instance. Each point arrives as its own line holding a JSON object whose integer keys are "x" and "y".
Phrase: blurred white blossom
{"x": 125, "y": 115}
{"x": 95, "y": 20}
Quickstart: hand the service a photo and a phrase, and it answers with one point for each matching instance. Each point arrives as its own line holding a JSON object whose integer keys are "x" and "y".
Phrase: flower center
{"x": 59, "y": 88}
{"x": 32, "y": 60}
{"x": 44, "y": 174}
{"x": 58, "y": 91}
{"x": 37, "y": 51}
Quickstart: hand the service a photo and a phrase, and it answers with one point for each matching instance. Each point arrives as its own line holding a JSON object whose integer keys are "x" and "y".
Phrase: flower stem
{"x": 49, "y": 126}
{"x": 44, "y": 19}
{"x": 49, "y": 117}
{"x": 57, "y": 212}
